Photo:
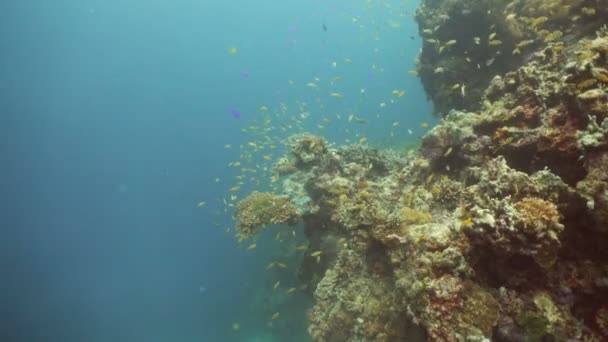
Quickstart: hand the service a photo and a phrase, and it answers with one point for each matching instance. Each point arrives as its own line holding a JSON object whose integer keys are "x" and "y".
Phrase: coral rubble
{"x": 497, "y": 229}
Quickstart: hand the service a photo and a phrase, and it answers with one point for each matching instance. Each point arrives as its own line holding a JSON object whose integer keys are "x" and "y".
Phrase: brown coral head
{"x": 263, "y": 208}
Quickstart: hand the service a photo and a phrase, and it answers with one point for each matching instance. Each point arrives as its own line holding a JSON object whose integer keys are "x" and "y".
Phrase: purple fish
{"x": 235, "y": 113}
{"x": 244, "y": 74}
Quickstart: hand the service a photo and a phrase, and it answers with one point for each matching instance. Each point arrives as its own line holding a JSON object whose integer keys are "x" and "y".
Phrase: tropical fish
{"x": 252, "y": 247}
{"x": 235, "y": 113}
{"x": 316, "y": 253}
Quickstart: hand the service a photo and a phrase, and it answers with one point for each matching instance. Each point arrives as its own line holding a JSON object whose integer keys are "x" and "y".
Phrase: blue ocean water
{"x": 115, "y": 116}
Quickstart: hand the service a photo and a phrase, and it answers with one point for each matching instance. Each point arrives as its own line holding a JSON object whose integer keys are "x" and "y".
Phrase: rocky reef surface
{"x": 497, "y": 229}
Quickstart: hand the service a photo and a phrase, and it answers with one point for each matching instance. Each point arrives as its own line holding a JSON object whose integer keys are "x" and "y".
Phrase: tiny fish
{"x": 275, "y": 316}
{"x": 235, "y": 113}
{"x": 467, "y": 222}
{"x": 252, "y": 247}
{"x": 316, "y": 253}
{"x": 276, "y": 285}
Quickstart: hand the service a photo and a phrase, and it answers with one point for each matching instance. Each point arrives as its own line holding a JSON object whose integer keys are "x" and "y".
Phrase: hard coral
{"x": 307, "y": 148}
{"x": 262, "y": 208}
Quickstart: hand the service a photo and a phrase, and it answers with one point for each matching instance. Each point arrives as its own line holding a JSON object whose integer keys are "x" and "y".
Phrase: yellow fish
{"x": 227, "y": 146}
{"x": 236, "y": 326}
{"x": 282, "y": 264}
{"x": 424, "y": 125}
{"x": 398, "y": 93}
{"x": 201, "y": 204}
{"x": 291, "y": 290}
{"x": 301, "y": 248}
{"x": 467, "y": 222}
{"x": 270, "y": 265}
{"x": 252, "y": 247}
{"x": 275, "y": 316}
{"x": 276, "y": 285}
{"x": 234, "y": 188}
{"x": 268, "y": 157}
{"x": 362, "y": 140}
{"x": 233, "y": 51}
{"x": 316, "y": 253}
{"x": 263, "y": 109}
{"x": 338, "y": 95}
{"x": 396, "y": 123}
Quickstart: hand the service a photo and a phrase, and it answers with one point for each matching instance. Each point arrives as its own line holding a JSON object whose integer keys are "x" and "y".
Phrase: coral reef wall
{"x": 468, "y": 42}
{"x": 497, "y": 229}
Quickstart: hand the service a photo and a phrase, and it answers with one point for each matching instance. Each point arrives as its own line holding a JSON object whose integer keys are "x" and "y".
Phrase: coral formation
{"x": 263, "y": 208}
{"x": 496, "y": 230}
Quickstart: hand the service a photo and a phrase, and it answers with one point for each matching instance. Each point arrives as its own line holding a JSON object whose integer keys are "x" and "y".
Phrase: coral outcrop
{"x": 263, "y": 208}
{"x": 497, "y": 229}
